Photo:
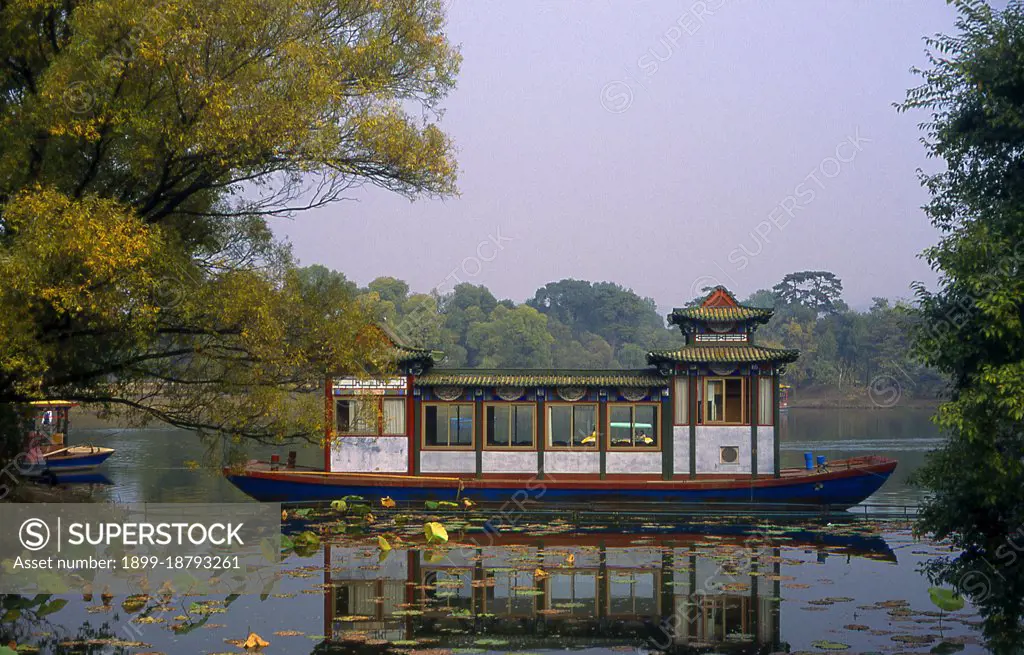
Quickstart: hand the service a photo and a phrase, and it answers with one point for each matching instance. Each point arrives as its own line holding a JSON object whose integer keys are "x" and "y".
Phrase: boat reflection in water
{"x": 675, "y": 593}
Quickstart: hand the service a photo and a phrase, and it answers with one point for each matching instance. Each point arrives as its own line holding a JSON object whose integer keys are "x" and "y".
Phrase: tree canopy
{"x": 972, "y": 326}
{"x": 144, "y": 146}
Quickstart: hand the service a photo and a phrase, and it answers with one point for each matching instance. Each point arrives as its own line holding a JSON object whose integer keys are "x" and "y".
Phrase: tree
{"x": 971, "y": 327}
{"x": 512, "y": 338}
{"x": 608, "y": 310}
{"x": 819, "y": 290}
{"x": 144, "y": 145}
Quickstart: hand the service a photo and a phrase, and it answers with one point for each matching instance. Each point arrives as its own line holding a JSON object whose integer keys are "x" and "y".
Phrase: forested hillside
{"x": 580, "y": 324}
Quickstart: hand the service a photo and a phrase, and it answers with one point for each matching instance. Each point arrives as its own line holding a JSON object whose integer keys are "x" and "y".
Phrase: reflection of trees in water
{"x": 994, "y": 583}
{"x": 25, "y": 619}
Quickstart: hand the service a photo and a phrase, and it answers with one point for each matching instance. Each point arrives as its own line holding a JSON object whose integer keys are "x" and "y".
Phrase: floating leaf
{"x": 339, "y": 505}
{"x": 306, "y": 543}
{"x": 430, "y": 504}
{"x": 254, "y": 642}
{"x": 303, "y": 513}
{"x": 435, "y": 533}
{"x": 287, "y": 545}
{"x": 387, "y": 502}
{"x": 383, "y": 543}
{"x": 945, "y": 599}
{"x": 51, "y": 607}
{"x": 824, "y": 644}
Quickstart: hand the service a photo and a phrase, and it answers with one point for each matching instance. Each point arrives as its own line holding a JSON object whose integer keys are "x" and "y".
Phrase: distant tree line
{"x": 602, "y": 325}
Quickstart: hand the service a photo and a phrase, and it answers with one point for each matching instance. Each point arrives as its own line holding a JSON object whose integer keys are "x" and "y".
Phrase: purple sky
{"x": 664, "y": 146}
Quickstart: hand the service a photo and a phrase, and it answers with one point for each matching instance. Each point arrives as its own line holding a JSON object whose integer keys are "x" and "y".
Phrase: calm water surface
{"x": 542, "y": 586}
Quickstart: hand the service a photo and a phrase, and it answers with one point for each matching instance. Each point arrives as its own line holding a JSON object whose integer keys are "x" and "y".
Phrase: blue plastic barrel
{"x": 809, "y": 460}
{"x": 821, "y": 460}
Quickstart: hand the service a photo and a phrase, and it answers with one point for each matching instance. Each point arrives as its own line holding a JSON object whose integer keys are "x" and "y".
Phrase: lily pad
{"x": 945, "y": 599}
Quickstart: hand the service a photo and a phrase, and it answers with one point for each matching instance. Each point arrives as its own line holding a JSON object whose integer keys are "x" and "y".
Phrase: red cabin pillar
{"x": 328, "y": 420}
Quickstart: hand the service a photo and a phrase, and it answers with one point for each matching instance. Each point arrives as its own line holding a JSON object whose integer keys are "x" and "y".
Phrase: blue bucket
{"x": 821, "y": 460}
{"x": 809, "y": 460}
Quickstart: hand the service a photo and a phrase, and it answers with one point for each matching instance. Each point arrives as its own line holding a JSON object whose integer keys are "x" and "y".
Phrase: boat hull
{"x": 842, "y": 485}
{"x": 74, "y": 459}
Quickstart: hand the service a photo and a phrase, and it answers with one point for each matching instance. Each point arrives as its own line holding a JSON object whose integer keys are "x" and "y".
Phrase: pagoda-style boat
{"x": 698, "y": 425}
{"x": 47, "y": 449}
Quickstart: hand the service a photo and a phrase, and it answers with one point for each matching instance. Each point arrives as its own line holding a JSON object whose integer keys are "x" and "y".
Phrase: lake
{"x": 537, "y": 585}
{"x": 153, "y": 464}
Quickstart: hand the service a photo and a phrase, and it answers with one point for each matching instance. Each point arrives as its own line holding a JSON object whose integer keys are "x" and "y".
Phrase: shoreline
{"x": 859, "y": 398}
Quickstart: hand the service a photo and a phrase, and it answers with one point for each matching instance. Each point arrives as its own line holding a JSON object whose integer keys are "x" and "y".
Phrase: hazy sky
{"x": 664, "y": 146}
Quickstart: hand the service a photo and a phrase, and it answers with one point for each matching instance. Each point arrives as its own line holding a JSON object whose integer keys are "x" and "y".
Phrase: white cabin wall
{"x": 447, "y": 461}
{"x": 350, "y": 454}
{"x": 558, "y": 461}
{"x": 632, "y": 462}
{"x": 681, "y": 449}
{"x": 765, "y": 449}
{"x": 710, "y": 440}
{"x": 509, "y": 461}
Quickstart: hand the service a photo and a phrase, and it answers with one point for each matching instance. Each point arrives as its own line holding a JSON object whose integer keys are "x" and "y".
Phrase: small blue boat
{"x": 47, "y": 449}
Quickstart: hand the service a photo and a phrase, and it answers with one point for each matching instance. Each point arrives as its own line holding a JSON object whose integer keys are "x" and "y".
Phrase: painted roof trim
{"x": 643, "y": 378}
{"x": 747, "y": 354}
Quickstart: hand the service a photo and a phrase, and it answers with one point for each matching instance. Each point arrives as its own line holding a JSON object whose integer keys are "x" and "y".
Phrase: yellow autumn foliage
{"x": 144, "y": 145}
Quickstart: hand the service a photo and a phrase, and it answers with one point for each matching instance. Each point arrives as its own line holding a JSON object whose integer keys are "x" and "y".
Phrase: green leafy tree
{"x": 971, "y": 327}
{"x": 512, "y": 338}
{"x": 143, "y": 148}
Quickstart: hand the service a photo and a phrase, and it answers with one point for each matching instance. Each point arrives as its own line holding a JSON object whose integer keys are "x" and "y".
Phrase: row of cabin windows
{"x": 569, "y": 427}
{"x": 725, "y": 401}
{"x": 720, "y": 400}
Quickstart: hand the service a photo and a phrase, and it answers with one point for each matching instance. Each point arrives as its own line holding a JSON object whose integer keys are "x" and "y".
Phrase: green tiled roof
{"x": 539, "y": 378}
{"x": 719, "y": 314}
{"x": 410, "y": 354}
{"x": 723, "y": 354}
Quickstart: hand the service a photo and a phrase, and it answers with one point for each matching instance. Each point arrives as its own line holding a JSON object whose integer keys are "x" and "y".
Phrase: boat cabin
{"x": 48, "y": 424}
{"x": 707, "y": 409}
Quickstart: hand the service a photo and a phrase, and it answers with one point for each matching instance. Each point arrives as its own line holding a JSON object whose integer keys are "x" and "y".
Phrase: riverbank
{"x": 890, "y": 396}
{"x": 34, "y": 492}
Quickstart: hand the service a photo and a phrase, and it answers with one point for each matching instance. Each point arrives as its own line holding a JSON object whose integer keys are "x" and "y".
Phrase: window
{"x": 509, "y": 426}
{"x": 572, "y": 426}
{"x": 575, "y": 592}
{"x": 633, "y": 592}
{"x": 682, "y": 401}
{"x": 729, "y": 455}
{"x": 503, "y": 592}
{"x": 448, "y": 425}
{"x": 370, "y": 415}
{"x": 724, "y": 400}
{"x": 765, "y": 401}
{"x": 633, "y": 426}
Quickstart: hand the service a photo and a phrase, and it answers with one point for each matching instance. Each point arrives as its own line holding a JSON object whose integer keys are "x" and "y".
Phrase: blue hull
{"x": 78, "y": 463}
{"x": 838, "y": 493}
{"x": 60, "y": 465}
